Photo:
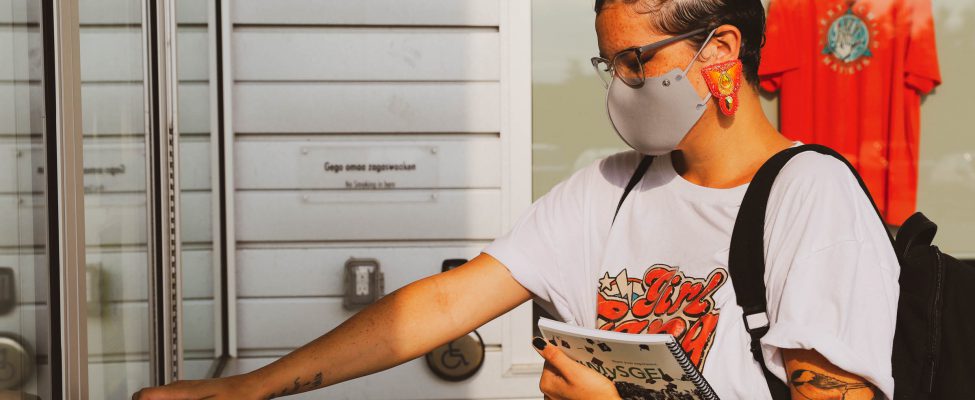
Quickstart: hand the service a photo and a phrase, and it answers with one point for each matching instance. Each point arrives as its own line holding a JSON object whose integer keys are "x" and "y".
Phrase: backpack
{"x": 933, "y": 351}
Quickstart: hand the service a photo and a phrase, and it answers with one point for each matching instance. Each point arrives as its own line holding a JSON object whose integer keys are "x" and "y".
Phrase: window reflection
{"x": 24, "y": 293}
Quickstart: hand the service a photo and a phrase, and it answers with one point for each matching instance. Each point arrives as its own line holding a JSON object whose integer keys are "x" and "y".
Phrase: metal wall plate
{"x": 458, "y": 360}
{"x": 16, "y": 362}
{"x": 364, "y": 283}
{"x": 8, "y": 290}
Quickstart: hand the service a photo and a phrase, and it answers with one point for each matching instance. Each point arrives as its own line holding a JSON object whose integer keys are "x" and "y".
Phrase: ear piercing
{"x": 724, "y": 81}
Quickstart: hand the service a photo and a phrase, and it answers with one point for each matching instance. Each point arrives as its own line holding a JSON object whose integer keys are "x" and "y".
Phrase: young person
{"x": 831, "y": 273}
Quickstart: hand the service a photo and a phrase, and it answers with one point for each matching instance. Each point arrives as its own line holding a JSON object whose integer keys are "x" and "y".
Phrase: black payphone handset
{"x": 462, "y": 358}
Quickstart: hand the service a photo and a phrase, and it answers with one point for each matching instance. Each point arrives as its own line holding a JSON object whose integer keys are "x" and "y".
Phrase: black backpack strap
{"x": 917, "y": 231}
{"x": 746, "y": 257}
{"x": 635, "y": 179}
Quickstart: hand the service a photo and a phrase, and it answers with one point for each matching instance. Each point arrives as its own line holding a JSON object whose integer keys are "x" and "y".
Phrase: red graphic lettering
{"x": 634, "y": 326}
{"x": 612, "y": 310}
{"x": 698, "y": 339}
{"x": 664, "y": 301}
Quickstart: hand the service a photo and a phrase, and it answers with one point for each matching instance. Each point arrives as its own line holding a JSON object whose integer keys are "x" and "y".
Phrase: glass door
{"x": 200, "y": 255}
{"x": 25, "y": 302}
{"x": 117, "y": 202}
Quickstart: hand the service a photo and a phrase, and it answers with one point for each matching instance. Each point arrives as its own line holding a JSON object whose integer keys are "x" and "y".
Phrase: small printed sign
{"x": 360, "y": 167}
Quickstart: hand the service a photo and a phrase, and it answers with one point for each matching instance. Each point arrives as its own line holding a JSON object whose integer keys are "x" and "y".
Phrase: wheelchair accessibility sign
{"x": 458, "y": 360}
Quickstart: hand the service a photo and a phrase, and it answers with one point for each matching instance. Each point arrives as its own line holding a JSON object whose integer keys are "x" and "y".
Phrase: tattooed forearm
{"x": 814, "y": 385}
{"x": 298, "y": 387}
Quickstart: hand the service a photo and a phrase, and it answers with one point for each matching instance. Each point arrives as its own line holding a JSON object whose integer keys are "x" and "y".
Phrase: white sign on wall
{"x": 359, "y": 167}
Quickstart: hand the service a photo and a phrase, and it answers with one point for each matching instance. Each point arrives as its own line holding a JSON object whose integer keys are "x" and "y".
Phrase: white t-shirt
{"x": 831, "y": 273}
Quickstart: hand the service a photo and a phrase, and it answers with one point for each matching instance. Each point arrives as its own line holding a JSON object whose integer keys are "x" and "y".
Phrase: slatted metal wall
{"x": 318, "y": 79}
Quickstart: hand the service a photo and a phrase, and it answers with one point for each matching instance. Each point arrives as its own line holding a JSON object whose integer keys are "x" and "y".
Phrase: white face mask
{"x": 655, "y": 117}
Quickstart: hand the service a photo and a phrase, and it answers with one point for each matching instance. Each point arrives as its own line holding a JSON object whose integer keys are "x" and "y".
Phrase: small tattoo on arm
{"x": 813, "y": 385}
{"x": 297, "y": 387}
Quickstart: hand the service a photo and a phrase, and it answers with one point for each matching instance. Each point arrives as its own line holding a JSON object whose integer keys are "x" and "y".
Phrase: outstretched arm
{"x": 399, "y": 327}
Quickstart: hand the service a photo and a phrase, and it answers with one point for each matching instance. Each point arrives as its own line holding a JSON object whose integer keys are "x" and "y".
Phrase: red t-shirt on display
{"x": 851, "y": 75}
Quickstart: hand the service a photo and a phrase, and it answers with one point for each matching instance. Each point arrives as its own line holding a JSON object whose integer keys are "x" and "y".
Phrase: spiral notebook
{"x": 643, "y": 367}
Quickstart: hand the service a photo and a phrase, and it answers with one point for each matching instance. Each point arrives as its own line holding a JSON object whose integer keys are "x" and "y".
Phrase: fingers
{"x": 552, "y": 354}
{"x": 552, "y": 384}
{"x": 172, "y": 391}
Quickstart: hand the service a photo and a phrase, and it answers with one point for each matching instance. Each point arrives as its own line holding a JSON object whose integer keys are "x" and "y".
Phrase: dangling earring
{"x": 724, "y": 80}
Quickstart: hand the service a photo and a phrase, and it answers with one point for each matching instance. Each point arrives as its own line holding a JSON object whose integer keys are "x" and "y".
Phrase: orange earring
{"x": 723, "y": 81}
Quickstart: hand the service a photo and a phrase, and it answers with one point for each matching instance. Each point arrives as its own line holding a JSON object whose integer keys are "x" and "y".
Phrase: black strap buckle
{"x": 760, "y": 319}
{"x": 761, "y": 322}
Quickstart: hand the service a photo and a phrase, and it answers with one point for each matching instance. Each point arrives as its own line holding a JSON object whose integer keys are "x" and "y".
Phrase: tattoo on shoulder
{"x": 298, "y": 386}
{"x": 815, "y": 385}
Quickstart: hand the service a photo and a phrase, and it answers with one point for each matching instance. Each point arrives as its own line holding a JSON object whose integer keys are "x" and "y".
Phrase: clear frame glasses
{"x": 627, "y": 65}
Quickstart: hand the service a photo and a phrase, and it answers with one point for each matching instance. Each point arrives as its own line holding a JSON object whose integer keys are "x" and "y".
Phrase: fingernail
{"x": 539, "y": 343}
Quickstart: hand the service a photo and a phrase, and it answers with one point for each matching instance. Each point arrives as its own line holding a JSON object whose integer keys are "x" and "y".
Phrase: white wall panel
{"x": 119, "y": 219}
{"x": 104, "y": 12}
{"x": 20, "y": 40}
{"x": 115, "y": 167}
{"x": 115, "y": 219}
{"x": 117, "y": 108}
{"x": 194, "y": 108}
{"x": 318, "y": 81}
{"x": 368, "y": 215}
{"x": 21, "y": 167}
{"x": 373, "y": 12}
{"x": 21, "y": 108}
{"x": 111, "y": 54}
{"x": 104, "y": 382}
{"x": 196, "y": 219}
{"x": 24, "y": 221}
{"x": 19, "y": 11}
{"x": 112, "y": 109}
{"x": 192, "y": 11}
{"x": 122, "y": 12}
{"x": 192, "y": 44}
{"x": 29, "y": 321}
{"x": 290, "y": 323}
{"x": 299, "y": 164}
{"x": 319, "y": 54}
{"x": 318, "y": 272}
{"x": 30, "y": 275}
{"x": 123, "y": 328}
{"x": 414, "y": 381}
{"x": 366, "y": 107}
{"x": 122, "y": 274}
{"x": 194, "y": 163}
{"x": 111, "y": 166}
{"x": 114, "y": 54}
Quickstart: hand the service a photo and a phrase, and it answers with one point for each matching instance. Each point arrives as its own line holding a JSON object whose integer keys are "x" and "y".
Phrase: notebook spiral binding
{"x": 685, "y": 363}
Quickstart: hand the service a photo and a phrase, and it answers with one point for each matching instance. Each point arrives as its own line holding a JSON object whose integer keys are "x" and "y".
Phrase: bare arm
{"x": 812, "y": 377}
{"x": 399, "y": 327}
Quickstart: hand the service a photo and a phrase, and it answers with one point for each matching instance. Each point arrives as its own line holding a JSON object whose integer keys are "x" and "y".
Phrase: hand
{"x": 565, "y": 379}
{"x": 230, "y": 388}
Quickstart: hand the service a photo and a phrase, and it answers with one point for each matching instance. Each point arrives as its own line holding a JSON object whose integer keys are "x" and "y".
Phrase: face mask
{"x": 655, "y": 117}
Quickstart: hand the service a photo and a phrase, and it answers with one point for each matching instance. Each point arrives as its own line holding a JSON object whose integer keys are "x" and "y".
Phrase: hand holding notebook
{"x": 642, "y": 367}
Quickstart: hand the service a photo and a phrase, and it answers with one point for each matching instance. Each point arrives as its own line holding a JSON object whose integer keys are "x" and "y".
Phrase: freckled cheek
{"x": 659, "y": 66}
{"x": 697, "y": 81}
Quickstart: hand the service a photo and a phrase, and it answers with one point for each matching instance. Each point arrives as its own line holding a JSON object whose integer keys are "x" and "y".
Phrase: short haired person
{"x": 831, "y": 274}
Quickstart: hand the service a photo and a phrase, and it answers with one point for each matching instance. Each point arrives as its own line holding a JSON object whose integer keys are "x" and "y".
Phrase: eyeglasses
{"x": 628, "y": 64}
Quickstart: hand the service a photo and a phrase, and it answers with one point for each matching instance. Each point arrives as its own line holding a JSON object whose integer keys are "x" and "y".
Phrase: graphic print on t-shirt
{"x": 663, "y": 301}
{"x": 848, "y": 38}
